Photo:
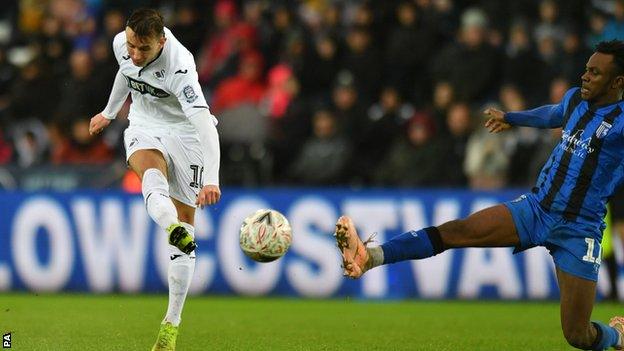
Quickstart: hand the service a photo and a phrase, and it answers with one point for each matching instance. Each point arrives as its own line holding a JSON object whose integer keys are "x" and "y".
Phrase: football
{"x": 265, "y": 235}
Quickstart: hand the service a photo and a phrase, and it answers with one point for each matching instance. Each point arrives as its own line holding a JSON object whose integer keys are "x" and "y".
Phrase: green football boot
{"x": 180, "y": 238}
{"x": 167, "y": 336}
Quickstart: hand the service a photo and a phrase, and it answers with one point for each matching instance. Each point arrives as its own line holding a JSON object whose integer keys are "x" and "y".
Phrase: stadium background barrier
{"x": 96, "y": 241}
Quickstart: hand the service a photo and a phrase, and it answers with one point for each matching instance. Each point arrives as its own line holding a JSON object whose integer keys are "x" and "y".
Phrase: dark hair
{"x": 146, "y": 23}
{"x": 616, "y": 48}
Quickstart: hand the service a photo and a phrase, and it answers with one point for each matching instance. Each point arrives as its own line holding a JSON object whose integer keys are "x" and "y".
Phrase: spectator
{"x": 81, "y": 147}
{"x": 214, "y": 62}
{"x": 187, "y": 27}
{"x": 80, "y": 93}
{"x": 245, "y": 87}
{"x": 486, "y": 164}
{"x": 283, "y": 24}
{"x": 408, "y": 48}
{"x": 31, "y": 147}
{"x": 254, "y": 16}
{"x": 471, "y": 65}
{"x": 574, "y": 57}
{"x": 412, "y": 159}
{"x": 548, "y": 24}
{"x": 282, "y": 86}
{"x": 346, "y": 105}
{"x": 363, "y": 61}
{"x": 6, "y": 150}
{"x": 548, "y": 51}
{"x": 54, "y": 46}
{"x": 8, "y": 74}
{"x": 522, "y": 67}
{"x": 443, "y": 98}
{"x": 324, "y": 156}
{"x": 289, "y": 118}
{"x": 614, "y": 29}
{"x": 33, "y": 81}
{"x": 295, "y": 52}
{"x": 522, "y": 142}
{"x": 113, "y": 23}
{"x": 385, "y": 121}
{"x": 453, "y": 146}
{"x": 320, "y": 68}
{"x": 596, "y": 34}
{"x": 104, "y": 65}
{"x": 332, "y": 25}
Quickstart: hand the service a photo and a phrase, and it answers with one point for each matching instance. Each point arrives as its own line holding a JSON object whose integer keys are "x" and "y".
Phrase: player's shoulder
{"x": 571, "y": 98}
{"x": 179, "y": 57}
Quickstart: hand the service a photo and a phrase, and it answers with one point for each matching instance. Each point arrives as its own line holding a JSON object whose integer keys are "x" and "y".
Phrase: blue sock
{"x": 413, "y": 245}
{"x": 606, "y": 337}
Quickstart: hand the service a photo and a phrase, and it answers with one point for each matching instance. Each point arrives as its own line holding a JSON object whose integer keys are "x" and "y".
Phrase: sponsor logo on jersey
{"x": 189, "y": 93}
{"x": 575, "y": 144}
{"x": 181, "y": 71}
{"x": 602, "y": 131}
{"x": 160, "y": 75}
{"x": 145, "y": 88}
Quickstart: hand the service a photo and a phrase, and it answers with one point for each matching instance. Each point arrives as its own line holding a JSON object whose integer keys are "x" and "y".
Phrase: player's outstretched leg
{"x": 357, "y": 258}
{"x": 618, "y": 324}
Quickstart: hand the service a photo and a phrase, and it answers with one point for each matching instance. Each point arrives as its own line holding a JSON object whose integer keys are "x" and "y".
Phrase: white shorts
{"x": 183, "y": 155}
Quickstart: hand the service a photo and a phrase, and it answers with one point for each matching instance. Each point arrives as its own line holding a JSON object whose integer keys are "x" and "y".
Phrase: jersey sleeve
{"x": 185, "y": 86}
{"x": 547, "y": 116}
{"x": 117, "y": 97}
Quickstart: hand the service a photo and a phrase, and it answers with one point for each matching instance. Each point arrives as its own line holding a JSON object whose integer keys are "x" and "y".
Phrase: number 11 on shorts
{"x": 589, "y": 256}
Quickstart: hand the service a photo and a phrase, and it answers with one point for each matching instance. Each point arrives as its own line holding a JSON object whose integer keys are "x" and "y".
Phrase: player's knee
{"x": 186, "y": 217}
{"x": 154, "y": 181}
{"x": 577, "y": 337}
{"x": 454, "y": 233}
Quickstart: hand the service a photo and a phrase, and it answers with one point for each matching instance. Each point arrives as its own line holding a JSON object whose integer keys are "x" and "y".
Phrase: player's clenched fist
{"x": 496, "y": 123}
{"x": 98, "y": 123}
{"x": 209, "y": 195}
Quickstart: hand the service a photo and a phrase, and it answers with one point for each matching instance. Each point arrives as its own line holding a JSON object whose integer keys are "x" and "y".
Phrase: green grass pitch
{"x": 120, "y": 322}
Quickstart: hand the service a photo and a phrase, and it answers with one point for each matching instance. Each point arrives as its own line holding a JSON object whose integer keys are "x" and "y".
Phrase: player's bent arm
{"x": 117, "y": 97}
{"x": 204, "y": 124}
{"x": 548, "y": 116}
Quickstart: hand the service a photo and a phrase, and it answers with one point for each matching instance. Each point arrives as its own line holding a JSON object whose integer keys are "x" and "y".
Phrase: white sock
{"x": 156, "y": 194}
{"x": 181, "y": 269}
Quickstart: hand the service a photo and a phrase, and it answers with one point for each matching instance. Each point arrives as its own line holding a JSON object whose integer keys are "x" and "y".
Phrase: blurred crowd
{"x": 316, "y": 92}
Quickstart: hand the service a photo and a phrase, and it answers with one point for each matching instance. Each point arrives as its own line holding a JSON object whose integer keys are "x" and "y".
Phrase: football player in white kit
{"x": 171, "y": 143}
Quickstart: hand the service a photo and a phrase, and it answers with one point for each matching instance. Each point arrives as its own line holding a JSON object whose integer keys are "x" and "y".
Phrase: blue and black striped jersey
{"x": 586, "y": 166}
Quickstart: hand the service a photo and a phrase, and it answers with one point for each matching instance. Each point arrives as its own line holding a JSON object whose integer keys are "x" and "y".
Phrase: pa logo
{"x": 6, "y": 341}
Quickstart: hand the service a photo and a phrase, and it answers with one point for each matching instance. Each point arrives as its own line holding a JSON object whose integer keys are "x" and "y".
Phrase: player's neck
{"x": 155, "y": 57}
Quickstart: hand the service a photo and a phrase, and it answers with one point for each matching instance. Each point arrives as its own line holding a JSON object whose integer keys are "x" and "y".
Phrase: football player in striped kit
{"x": 564, "y": 212}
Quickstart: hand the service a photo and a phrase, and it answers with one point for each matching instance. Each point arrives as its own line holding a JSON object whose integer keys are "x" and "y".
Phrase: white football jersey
{"x": 166, "y": 91}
